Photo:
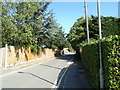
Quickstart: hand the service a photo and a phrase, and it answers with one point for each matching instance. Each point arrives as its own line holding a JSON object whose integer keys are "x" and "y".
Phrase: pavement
{"x": 75, "y": 78}
{"x": 54, "y": 73}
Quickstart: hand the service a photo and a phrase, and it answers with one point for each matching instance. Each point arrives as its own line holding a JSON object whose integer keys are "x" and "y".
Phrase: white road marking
{"x": 66, "y": 76}
{"x": 55, "y": 84}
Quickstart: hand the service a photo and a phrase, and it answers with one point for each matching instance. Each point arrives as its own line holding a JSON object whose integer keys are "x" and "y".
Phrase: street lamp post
{"x": 100, "y": 49}
{"x": 86, "y": 16}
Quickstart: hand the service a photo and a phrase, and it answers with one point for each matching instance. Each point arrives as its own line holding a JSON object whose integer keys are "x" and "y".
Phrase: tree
{"x": 77, "y": 34}
{"x": 9, "y": 29}
{"x": 27, "y": 24}
{"x": 26, "y": 20}
{"x": 56, "y": 37}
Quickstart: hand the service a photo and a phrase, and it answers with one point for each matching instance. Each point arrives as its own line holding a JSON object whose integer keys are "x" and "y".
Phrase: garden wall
{"x": 17, "y": 55}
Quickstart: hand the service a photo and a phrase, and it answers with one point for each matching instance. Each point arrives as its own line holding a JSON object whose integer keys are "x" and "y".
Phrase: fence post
{"x": 6, "y": 54}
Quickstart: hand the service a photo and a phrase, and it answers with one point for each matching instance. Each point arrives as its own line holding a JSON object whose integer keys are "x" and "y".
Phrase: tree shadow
{"x": 43, "y": 50}
{"x": 74, "y": 78}
{"x": 60, "y": 79}
{"x": 37, "y": 77}
{"x": 50, "y": 66}
{"x": 66, "y": 57}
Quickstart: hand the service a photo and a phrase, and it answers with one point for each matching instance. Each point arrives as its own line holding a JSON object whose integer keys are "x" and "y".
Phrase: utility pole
{"x": 100, "y": 49}
{"x": 86, "y": 16}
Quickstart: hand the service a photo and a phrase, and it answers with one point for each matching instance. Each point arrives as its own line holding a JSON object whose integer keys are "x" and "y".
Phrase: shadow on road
{"x": 66, "y": 57}
{"x": 63, "y": 57}
{"x": 50, "y": 66}
{"x": 37, "y": 77}
{"x": 73, "y": 78}
{"x": 69, "y": 77}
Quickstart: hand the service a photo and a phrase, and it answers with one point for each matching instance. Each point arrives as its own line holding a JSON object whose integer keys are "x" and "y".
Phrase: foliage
{"x": 77, "y": 35}
{"x": 27, "y": 24}
{"x": 56, "y": 39}
{"x": 90, "y": 59}
{"x": 110, "y": 26}
{"x": 111, "y": 61}
{"x": 34, "y": 48}
{"x": 68, "y": 45}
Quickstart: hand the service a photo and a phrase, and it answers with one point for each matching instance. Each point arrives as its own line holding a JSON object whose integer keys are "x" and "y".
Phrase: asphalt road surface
{"x": 39, "y": 76}
{"x": 56, "y": 73}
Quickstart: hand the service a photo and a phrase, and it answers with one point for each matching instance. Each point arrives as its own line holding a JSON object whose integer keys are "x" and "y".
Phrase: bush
{"x": 54, "y": 47}
{"x": 111, "y": 61}
{"x": 34, "y": 48}
{"x": 90, "y": 59}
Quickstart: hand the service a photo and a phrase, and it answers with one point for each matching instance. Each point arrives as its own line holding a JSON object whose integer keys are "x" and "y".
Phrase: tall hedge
{"x": 90, "y": 59}
{"x": 111, "y": 61}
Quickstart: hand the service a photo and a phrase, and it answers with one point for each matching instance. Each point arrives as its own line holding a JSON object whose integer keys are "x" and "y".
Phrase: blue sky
{"x": 66, "y": 13}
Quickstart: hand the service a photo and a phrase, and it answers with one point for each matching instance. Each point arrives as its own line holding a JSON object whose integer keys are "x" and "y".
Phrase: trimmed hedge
{"x": 90, "y": 59}
{"x": 111, "y": 61}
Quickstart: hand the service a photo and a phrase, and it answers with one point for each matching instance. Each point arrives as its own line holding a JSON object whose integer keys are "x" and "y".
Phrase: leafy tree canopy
{"x": 77, "y": 35}
{"x": 29, "y": 24}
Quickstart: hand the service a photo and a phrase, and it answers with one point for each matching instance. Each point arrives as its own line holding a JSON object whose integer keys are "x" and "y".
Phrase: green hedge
{"x": 90, "y": 57}
{"x": 111, "y": 61}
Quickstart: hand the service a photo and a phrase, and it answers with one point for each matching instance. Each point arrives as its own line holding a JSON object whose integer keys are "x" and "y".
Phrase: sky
{"x": 67, "y": 13}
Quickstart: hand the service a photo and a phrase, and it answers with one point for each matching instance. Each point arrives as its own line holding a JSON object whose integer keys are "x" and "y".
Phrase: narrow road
{"x": 39, "y": 76}
{"x": 56, "y": 73}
